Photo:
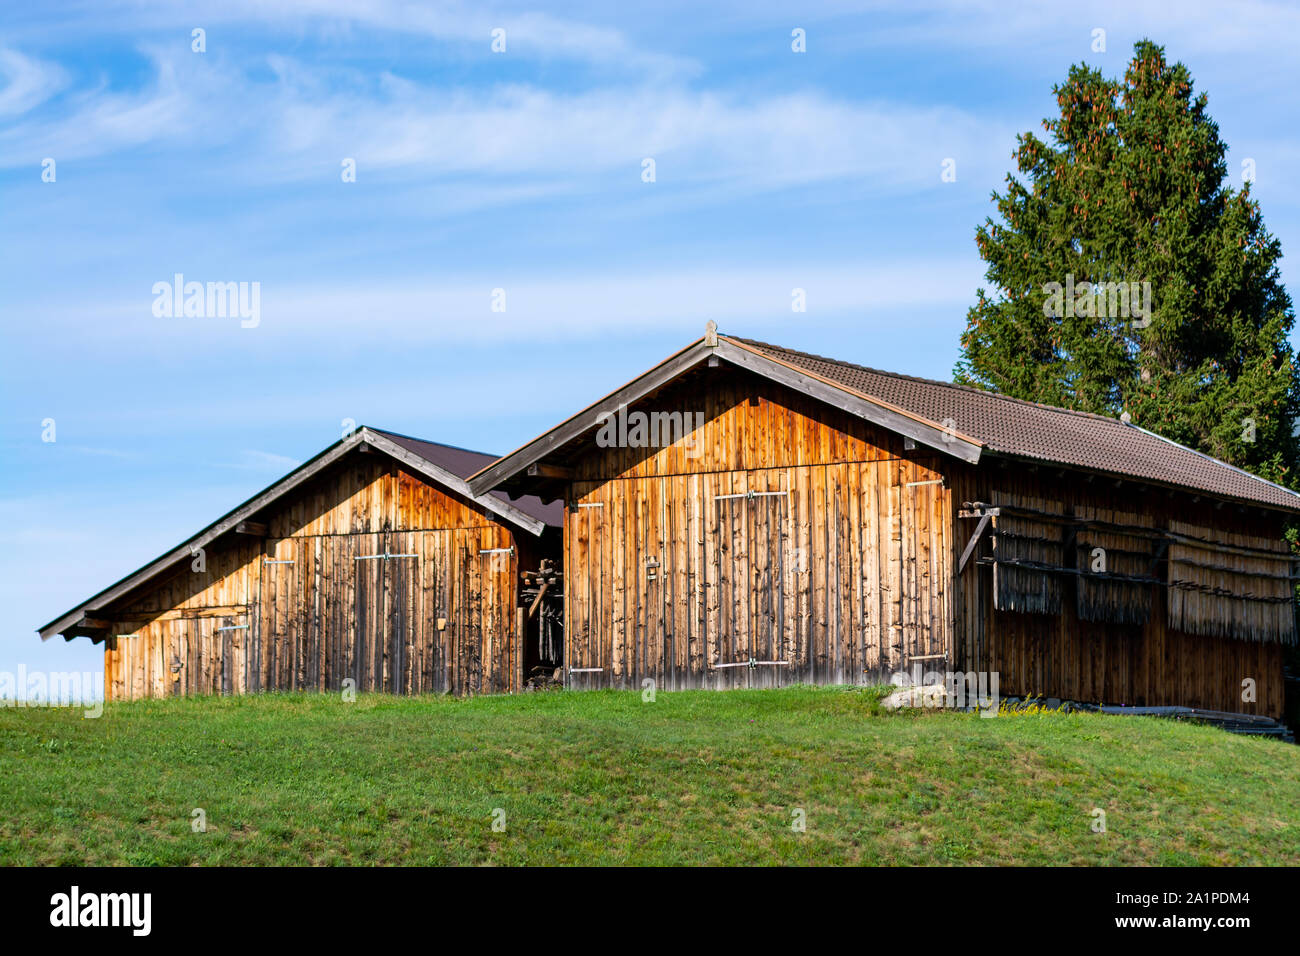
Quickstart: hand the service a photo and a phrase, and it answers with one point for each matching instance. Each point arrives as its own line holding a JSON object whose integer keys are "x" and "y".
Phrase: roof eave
{"x": 995, "y": 454}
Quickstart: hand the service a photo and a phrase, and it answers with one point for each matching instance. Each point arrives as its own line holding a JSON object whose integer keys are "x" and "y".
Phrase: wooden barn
{"x": 748, "y": 515}
{"x": 372, "y": 562}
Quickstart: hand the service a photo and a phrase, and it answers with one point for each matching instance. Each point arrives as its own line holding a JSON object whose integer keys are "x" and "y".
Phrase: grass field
{"x": 603, "y": 778}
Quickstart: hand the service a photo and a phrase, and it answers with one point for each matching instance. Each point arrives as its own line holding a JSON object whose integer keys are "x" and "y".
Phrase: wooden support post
{"x": 538, "y": 600}
{"x": 521, "y": 651}
{"x": 974, "y": 540}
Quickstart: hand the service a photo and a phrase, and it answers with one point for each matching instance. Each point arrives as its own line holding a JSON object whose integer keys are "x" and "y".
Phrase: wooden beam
{"x": 251, "y": 527}
{"x": 540, "y": 469}
{"x": 538, "y": 600}
{"x": 177, "y": 614}
{"x": 973, "y": 542}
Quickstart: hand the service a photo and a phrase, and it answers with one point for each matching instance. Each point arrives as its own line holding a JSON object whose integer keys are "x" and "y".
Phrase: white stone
{"x": 930, "y": 696}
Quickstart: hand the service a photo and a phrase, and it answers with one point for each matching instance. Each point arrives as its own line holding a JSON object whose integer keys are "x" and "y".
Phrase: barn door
{"x": 178, "y": 656}
{"x": 431, "y": 661}
{"x": 496, "y": 564}
{"x": 923, "y": 594}
{"x": 587, "y": 566}
{"x": 281, "y": 613}
{"x": 752, "y": 648}
{"x": 229, "y": 640}
{"x": 198, "y": 657}
{"x": 181, "y": 657}
{"x": 386, "y": 613}
{"x": 646, "y": 584}
{"x": 482, "y": 653}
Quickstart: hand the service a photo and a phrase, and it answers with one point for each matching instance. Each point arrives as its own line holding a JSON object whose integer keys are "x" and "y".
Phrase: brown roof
{"x": 1024, "y": 429}
{"x": 462, "y": 463}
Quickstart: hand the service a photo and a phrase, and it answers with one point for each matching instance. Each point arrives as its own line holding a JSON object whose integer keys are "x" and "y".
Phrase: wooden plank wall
{"x": 1216, "y": 592}
{"x": 1026, "y": 539}
{"x": 315, "y": 603}
{"x": 839, "y": 564}
{"x": 1137, "y": 664}
{"x": 1127, "y": 555}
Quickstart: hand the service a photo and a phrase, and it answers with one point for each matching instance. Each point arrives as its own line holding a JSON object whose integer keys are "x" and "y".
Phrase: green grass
{"x": 601, "y": 777}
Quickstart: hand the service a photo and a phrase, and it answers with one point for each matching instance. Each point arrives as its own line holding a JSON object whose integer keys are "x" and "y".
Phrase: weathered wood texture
{"x": 1021, "y": 544}
{"x": 843, "y": 563}
{"x": 1220, "y": 592}
{"x": 1128, "y": 653}
{"x": 317, "y": 602}
{"x": 796, "y": 536}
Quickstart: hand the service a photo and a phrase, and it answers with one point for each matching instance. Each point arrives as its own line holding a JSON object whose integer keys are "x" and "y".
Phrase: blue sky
{"x": 477, "y": 170}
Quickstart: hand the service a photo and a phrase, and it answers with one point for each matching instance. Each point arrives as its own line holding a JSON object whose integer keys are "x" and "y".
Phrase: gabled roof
{"x": 462, "y": 463}
{"x": 965, "y": 423}
{"x": 442, "y": 464}
{"x": 528, "y": 458}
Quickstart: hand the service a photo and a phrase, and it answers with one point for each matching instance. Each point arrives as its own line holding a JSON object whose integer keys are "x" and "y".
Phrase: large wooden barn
{"x": 748, "y": 515}
{"x": 373, "y": 562}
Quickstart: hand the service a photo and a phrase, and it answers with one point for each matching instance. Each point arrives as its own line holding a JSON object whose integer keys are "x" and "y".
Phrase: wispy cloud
{"x": 251, "y": 459}
{"x": 302, "y": 122}
{"x": 96, "y": 121}
{"x": 465, "y": 30}
{"x": 446, "y": 309}
{"x": 27, "y": 82}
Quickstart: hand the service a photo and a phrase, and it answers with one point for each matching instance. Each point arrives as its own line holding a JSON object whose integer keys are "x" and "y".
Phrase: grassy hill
{"x": 699, "y": 777}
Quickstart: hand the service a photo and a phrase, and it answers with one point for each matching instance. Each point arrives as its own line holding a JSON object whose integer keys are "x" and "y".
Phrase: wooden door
{"x": 194, "y": 655}
{"x": 280, "y": 640}
{"x": 496, "y": 568}
{"x": 646, "y": 572}
{"x": 752, "y": 646}
{"x": 229, "y": 640}
{"x": 386, "y": 613}
{"x": 480, "y": 647}
{"x": 923, "y": 574}
{"x": 586, "y": 606}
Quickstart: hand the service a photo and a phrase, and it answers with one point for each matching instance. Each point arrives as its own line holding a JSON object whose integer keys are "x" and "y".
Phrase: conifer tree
{"x": 1129, "y": 198}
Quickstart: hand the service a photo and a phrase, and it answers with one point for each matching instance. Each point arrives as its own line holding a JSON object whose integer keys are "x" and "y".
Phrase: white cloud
{"x": 445, "y": 310}
{"x": 620, "y": 306}
{"x": 27, "y": 82}
{"x": 519, "y": 139}
{"x": 95, "y": 122}
{"x": 464, "y": 29}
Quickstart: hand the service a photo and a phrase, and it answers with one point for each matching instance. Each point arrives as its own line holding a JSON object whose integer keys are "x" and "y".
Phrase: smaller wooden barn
{"x": 744, "y": 514}
{"x": 372, "y": 563}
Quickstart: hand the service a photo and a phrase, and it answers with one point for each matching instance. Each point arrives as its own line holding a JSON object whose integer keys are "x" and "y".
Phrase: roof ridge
{"x": 931, "y": 381}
